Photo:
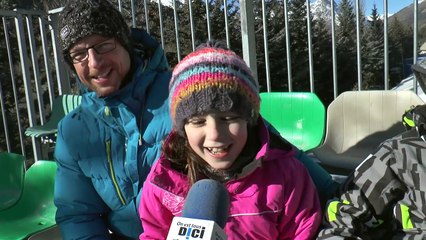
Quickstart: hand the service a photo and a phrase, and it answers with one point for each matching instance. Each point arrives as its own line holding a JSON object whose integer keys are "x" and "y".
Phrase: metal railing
{"x": 34, "y": 72}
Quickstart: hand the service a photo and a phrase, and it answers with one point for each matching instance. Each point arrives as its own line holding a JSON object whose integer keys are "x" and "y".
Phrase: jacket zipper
{"x": 111, "y": 170}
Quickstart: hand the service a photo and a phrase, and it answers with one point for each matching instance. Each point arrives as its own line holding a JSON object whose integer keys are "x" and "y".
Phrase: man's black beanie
{"x": 82, "y": 18}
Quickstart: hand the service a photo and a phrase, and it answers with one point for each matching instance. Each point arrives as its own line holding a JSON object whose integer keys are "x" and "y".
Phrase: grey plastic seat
{"x": 357, "y": 122}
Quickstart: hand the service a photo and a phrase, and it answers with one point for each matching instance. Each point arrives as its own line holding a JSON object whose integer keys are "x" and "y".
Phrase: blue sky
{"x": 393, "y": 5}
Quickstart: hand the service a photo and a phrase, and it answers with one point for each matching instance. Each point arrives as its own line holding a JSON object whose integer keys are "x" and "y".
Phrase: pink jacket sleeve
{"x": 302, "y": 211}
{"x": 156, "y": 219}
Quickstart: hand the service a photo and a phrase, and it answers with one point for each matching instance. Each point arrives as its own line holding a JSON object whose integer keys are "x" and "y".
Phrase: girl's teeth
{"x": 215, "y": 150}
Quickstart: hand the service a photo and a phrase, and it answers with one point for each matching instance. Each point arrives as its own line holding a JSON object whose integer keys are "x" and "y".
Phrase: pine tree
{"x": 299, "y": 45}
{"x": 400, "y": 47}
{"x": 346, "y": 46}
{"x": 373, "y": 53}
{"x": 276, "y": 45}
{"x": 323, "y": 67}
{"x": 7, "y": 4}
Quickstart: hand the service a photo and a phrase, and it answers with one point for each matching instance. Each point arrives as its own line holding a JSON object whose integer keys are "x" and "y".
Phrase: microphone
{"x": 204, "y": 213}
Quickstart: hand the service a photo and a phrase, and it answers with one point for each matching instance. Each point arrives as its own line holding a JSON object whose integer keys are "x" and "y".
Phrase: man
{"x": 106, "y": 147}
{"x": 385, "y": 198}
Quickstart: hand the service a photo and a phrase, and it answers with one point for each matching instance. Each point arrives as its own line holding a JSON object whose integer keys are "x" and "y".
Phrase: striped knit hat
{"x": 212, "y": 78}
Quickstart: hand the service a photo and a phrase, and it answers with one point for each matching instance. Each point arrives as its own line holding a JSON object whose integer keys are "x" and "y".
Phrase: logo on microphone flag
{"x": 195, "y": 229}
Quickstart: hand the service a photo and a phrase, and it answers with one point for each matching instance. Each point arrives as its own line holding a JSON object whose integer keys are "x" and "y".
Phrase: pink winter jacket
{"x": 274, "y": 198}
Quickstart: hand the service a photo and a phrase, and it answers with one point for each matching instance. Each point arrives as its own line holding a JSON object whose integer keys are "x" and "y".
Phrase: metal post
{"x": 333, "y": 49}
{"x": 265, "y": 42}
{"x": 288, "y": 47}
{"x": 248, "y": 34}
{"x": 209, "y": 34}
{"x": 386, "y": 44}
{"x": 311, "y": 60}
{"x": 358, "y": 44}
{"x": 415, "y": 44}
{"x": 176, "y": 30}
{"x": 27, "y": 81}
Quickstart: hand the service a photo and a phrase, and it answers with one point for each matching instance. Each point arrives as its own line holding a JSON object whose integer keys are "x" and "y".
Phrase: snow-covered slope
{"x": 407, "y": 84}
{"x": 322, "y": 8}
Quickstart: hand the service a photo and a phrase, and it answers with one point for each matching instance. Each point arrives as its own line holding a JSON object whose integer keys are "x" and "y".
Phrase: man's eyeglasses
{"x": 82, "y": 55}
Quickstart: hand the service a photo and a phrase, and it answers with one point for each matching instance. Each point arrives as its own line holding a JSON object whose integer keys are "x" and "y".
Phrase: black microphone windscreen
{"x": 208, "y": 200}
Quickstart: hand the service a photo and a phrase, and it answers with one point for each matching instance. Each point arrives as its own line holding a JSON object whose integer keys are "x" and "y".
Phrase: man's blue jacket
{"x": 106, "y": 147}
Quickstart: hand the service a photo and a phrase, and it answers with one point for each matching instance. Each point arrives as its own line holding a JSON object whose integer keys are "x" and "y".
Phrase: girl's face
{"x": 217, "y": 137}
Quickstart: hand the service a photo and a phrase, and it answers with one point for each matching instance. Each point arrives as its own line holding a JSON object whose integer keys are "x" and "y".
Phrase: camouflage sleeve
{"x": 363, "y": 210}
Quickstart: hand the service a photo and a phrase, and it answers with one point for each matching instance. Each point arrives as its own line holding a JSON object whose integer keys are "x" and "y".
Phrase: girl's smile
{"x": 217, "y": 137}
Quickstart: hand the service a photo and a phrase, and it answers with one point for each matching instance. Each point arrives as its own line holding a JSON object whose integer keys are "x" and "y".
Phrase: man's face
{"x": 106, "y": 65}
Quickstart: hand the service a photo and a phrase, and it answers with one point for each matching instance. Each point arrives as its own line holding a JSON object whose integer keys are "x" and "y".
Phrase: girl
{"x": 218, "y": 134}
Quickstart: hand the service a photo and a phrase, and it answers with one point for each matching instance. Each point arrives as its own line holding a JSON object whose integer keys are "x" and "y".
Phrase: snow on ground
{"x": 407, "y": 84}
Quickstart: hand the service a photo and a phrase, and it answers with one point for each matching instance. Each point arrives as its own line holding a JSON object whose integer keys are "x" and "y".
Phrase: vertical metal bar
{"x": 225, "y": 11}
{"x": 176, "y": 30}
{"x": 265, "y": 42}
{"x": 14, "y": 88}
{"x": 358, "y": 44}
{"x": 333, "y": 49}
{"x": 49, "y": 80}
{"x": 386, "y": 47}
{"x": 160, "y": 14}
{"x": 288, "y": 47}
{"x": 415, "y": 44}
{"x": 62, "y": 75}
{"x": 4, "y": 113}
{"x": 145, "y": 5}
{"x": 191, "y": 20}
{"x": 27, "y": 81}
{"x": 36, "y": 68}
{"x": 311, "y": 61}
{"x": 119, "y": 5}
{"x": 132, "y": 3}
{"x": 248, "y": 35}
{"x": 4, "y": 117}
{"x": 209, "y": 34}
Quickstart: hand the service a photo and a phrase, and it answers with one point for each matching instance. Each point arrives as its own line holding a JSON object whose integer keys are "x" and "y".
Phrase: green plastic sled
{"x": 298, "y": 116}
